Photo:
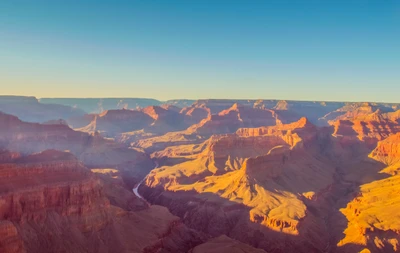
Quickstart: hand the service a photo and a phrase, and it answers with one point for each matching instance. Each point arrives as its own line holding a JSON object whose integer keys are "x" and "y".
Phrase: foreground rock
{"x": 51, "y": 203}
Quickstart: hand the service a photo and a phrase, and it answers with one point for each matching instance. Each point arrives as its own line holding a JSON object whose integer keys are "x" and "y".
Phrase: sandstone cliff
{"x": 49, "y": 202}
{"x": 258, "y": 178}
{"x": 93, "y": 150}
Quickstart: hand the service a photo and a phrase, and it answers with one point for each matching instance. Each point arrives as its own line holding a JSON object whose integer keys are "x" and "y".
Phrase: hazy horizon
{"x": 195, "y": 99}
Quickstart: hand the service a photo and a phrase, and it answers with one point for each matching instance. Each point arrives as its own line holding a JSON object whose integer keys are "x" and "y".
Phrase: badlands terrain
{"x": 142, "y": 175}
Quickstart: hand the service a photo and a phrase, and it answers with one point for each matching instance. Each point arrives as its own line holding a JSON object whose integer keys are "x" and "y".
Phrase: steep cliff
{"x": 93, "y": 150}
{"x": 255, "y": 180}
{"x": 229, "y": 120}
{"x": 50, "y": 202}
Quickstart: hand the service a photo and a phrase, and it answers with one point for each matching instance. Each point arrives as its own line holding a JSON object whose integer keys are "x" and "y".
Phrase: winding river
{"x": 136, "y": 189}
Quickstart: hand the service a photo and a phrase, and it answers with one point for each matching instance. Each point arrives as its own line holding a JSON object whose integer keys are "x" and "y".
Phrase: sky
{"x": 331, "y": 50}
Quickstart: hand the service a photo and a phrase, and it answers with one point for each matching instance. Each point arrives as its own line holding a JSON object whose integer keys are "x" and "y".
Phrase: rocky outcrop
{"x": 93, "y": 150}
{"x": 52, "y": 182}
{"x": 50, "y": 202}
{"x": 195, "y": 114}
{"x": 272, "y": 179}
{"x": 129, "y": 125}
{"x": 166, "y": 120}
{"x": 369, "y": 132}
{"x": 257, "y": 179}
{"x": 289, "y": 111}
{"x": 372, "y": 217}
{"x": 353, "y": 111}
{"x": 228, "y": 121}
{"x": 113, "y": 122}
{"x": 10, "y": 240}
{"x": 388, "y": 150}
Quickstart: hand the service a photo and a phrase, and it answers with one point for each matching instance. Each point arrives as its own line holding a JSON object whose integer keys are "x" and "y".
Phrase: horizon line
{"x": 193, "y": 99}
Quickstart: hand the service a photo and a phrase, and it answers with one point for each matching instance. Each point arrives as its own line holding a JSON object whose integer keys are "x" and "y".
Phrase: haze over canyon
{"x": 212, "y": 175}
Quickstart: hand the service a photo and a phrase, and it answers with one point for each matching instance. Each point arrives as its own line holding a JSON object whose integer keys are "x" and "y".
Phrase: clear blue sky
{"x": 307, "y": 50}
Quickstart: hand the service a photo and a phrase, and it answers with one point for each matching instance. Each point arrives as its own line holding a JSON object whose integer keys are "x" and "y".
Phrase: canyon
{"x": 142, "y": 175}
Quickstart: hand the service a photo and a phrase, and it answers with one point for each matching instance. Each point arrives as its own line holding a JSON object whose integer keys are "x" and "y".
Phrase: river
{"x": 136, "y": 189}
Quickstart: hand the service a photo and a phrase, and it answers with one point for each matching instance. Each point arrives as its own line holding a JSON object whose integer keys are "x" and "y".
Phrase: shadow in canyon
{"x": 319, "y": 231}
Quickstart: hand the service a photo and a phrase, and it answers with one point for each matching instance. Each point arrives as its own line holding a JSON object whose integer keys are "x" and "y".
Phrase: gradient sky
{"x": 305, "y": 50}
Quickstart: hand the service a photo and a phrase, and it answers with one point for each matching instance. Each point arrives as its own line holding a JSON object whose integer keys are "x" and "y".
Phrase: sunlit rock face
{"x": 229, "y": 120}
{"x": 281, "y": 181}
{"x": 219, "y": 175}
{"x": 258, "y": 177}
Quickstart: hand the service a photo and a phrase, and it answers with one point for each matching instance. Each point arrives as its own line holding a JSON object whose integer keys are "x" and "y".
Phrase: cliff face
{"x": 93, "y": 150}
{"x": 195, "y": 114}
{"x": 293, "y": 133}
{"x": 30, "y": 109}
{"x": 51, "y": 183}
{"x": 366, "y": 130}
{"x": 258, "y": 181}
{"x": 376, "y": 228}
{"x": 49, "y": 202}
{"x": 112, "y": 122}
{"x": 352, "y": 111}
{"x": 166, "y": 120}
{"x": 388, "y": 150}
{"x": 272, "y": 180}
{"x": 130, "y": 125}
{"x": 229, "y": 120}
{"x": 10, "y": 241}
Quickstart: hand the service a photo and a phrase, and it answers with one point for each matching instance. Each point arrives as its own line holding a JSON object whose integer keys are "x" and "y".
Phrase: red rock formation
{"x": 93, "y": 150}
{"x": 165, "y": 120}
{"x": 195, "y": 114}
{"x": 258, "y": 182}
{"x": 49, "y": 202}
{"x": 367, "y": 131}
{"x": 352, "y": 111}
{"x": 388, "y": 150}
{"x": 112, "y": 122}
{"x": 276, "y": 186}
{"x": 228, "y": 121}
{"x": 10, "y": 241}
{"x": 290, "y": 111}
{"x": 129, "y": 125}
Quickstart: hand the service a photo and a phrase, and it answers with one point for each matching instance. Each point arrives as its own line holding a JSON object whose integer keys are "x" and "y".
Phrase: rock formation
{"x": 229, "y": 175}
{"x": 51, "y": 203}
{"x": 30, "y": 109}
{"x": 258, "y": 179}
